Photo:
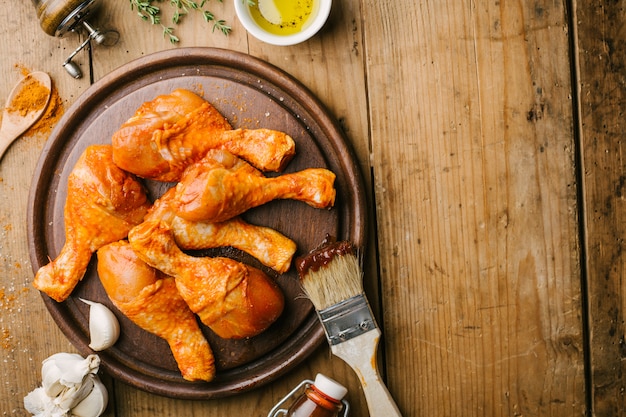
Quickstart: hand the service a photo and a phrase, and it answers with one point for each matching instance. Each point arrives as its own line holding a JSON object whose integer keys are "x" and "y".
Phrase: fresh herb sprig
{"x": 148, "y": 11}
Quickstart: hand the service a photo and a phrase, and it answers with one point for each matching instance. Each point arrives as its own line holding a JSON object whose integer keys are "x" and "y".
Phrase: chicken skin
{"x": 221, "y": 186}
{"x": 173, "y": 130}
{"x": 233, "y": 299}
{"x": 103, "y": 203}
{"x": 150, "y": 299}
{"x": 270, "y": 247}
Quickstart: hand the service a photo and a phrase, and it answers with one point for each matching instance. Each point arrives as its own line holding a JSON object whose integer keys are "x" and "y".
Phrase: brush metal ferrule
{"x": 347, "y": 319}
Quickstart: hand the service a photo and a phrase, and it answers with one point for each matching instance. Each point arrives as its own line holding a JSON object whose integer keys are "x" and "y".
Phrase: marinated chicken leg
{"x": 150, "y": 299}
{"x": 267, "y": 245}
{"x": 221, "y": 186}
{"x": 172, "y": 131}
{"x": 233, "y": 299}
{"x": 102, "y": 204}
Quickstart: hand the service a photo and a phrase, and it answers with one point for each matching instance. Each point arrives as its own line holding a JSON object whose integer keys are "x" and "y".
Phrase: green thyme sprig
{"x": 149, "y": 12}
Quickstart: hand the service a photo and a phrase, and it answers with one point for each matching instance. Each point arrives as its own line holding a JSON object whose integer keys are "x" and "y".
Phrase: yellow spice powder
{"x": 31, "y": 97}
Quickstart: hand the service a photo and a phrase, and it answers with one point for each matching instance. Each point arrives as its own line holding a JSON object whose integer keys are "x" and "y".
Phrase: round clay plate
{"x": 251, "y": 94}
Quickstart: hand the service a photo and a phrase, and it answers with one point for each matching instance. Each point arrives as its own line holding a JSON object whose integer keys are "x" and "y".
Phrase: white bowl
{"x": 317, "y": 20}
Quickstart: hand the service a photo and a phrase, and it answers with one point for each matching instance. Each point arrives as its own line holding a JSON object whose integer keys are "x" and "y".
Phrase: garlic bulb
{"x": 104, "y": 329}
{"x": 69, "y": 383}
{"x": 66, "y": 371}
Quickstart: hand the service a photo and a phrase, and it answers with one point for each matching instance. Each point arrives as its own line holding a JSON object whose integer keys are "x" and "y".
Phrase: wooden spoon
{"x": 15, "y": 123}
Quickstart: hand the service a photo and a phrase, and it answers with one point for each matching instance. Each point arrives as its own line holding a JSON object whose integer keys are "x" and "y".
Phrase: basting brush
{"x": 331, "y": 277}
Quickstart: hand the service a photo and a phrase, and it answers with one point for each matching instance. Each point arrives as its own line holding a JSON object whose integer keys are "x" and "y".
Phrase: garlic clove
{"x": 51, "y": 379}
{"x": 95, "y": 403}
{"x": 58, "y": 370}
{"x": 73, "y": 373}
{"x": 104, "y": 328}
{"x": 70, "y": 397}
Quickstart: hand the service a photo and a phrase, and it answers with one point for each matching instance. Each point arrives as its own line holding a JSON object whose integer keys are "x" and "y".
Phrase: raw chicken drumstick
{"x": 102, "y": 204}
{"x": 150, "y": 299}
{"x": 173, "y": 130}
{"x": 221, "y": 186}
{"x": 267, "y": 245}
{"x": 233, "y": 299}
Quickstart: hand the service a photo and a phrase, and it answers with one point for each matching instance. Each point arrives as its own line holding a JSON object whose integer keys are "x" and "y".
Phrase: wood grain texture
{"x": 27, "y": 333}
{"x": 602, "y": 53}
{"x": 473, "y": 160}
{"x": 462, "y": 117}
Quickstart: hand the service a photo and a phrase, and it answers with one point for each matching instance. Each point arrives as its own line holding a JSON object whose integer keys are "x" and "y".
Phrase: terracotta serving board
{"x": 250, "y": 93}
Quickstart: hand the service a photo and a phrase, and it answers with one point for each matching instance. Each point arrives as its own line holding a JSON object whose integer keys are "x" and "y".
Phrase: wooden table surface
{"x": 489, "y": 135}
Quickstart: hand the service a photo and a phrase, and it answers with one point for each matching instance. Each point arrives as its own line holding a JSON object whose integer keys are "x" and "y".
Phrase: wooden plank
{"x": 473, "y": 159}
{"x": 601, "y": 48}
{"x": 27, "y": 332}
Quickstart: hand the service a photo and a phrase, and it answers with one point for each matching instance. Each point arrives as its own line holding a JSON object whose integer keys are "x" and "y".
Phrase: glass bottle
{"x": 321, "y": 399}
{"x": 56, "y": 17}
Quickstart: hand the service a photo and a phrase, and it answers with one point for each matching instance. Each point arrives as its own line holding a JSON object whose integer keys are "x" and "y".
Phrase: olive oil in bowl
{"x": 283, "y": 17}
{"x": 283, "y": 22}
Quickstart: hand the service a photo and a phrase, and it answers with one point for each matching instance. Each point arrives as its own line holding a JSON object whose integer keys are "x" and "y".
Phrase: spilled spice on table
{"x": 7, "y": 301}
{"x": 6, "y": 340}
{"x": 8, "y": 304}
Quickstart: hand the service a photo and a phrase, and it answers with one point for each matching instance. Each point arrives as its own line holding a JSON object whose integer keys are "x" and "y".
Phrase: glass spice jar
{"x": 56, "y": 17}
{"x": 321, "y": 398}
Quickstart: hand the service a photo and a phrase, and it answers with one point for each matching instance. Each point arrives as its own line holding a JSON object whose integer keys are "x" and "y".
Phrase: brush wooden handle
{"x": 360, "y": 354}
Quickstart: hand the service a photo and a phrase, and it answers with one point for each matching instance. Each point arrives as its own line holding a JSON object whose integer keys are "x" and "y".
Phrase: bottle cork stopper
{"x": 330, "y": 387}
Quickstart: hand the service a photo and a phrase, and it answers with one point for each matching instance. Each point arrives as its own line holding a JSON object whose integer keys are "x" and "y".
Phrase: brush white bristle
{"x": 340, "y": 279}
